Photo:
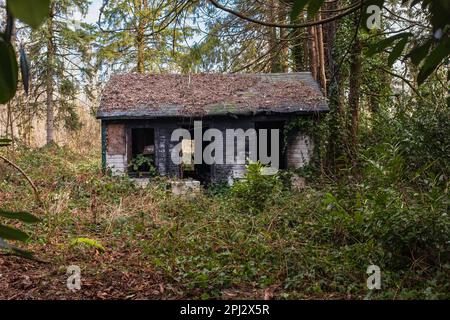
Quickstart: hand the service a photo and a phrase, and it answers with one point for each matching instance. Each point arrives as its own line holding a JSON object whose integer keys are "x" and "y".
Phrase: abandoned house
{"x": 140, "y": 112}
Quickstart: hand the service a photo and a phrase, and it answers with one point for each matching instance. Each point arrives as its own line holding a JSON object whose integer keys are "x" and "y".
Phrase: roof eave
{"x": 148, "y": 115}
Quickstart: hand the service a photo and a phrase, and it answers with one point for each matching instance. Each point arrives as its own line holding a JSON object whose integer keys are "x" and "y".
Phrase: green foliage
{"x": 429, "y": 53}
{"x": 218, "y": 189}
{"x": 21, "y": 216}
{"x": 8, "y": 71}
{"x": 254, "y": 192}
{"x": 32, "y": 13}
{"x": 314, "y": 243}
{"x": 437, "y": 56}
{"x": 305, "y": 125}
{"x": 142, "y": 163}
{"x": 384, "y": 209}
{"x": 433, "y": 50}
{"x": 313, "y": 6}
{"x": 4, "y": 142}
{"x": 71, "y": 74}
{"x": 143, "y": 36}
{"x": 315, "y": 130}
{"x": 89, "y": 242}
{"x": 388, "y": 207}
{"x": 10, "y": 233}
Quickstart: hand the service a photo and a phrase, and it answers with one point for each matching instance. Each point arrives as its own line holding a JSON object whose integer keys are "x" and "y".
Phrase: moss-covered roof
{"x": 170, "y": 95}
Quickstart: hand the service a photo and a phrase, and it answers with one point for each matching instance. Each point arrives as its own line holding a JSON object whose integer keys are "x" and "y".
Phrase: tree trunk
{"x": 313, "y": 48}
{"x": 273, "y": 41}
{"x": 284, "y": 49}
{"x": 321, "y": 54}
{"x": 354, "y": 90}
{"x": 336, "y": 136}
{"x": 448, "y": 80}
{"x": 9, "y": 131}
{"x": 140, "y": 36}
{"x": 299, "y": 46}
{"x": 50, "y": 65}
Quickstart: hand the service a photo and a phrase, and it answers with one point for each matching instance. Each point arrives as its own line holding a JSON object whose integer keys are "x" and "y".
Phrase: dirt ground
{"x": 32, "y": 280}
{"x": 25, "y": 279}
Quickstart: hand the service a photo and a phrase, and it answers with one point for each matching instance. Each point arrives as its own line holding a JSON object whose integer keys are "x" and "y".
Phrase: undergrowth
{"x": 314, "y": 242}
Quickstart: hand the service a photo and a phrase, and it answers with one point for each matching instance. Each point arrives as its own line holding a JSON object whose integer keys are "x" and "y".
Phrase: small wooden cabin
{"x": 139, "y": 113}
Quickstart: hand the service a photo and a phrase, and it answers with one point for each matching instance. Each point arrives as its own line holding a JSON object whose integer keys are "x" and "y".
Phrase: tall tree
{"x": 60, "y": 53}
{"x": 143, "y": 35}
{"x": 243, "y": 46}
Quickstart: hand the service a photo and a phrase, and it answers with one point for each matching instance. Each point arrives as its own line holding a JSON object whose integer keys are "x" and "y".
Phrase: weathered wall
{"x": 299, "y": 151}
{"x": 116, "y": 139}
{"x": 116, "y": 159}
{"x": 229, "y": 172}
{"x": 116, "y": 163}
{"x": 164, "y": 146}
{"x": 117, "y": 148}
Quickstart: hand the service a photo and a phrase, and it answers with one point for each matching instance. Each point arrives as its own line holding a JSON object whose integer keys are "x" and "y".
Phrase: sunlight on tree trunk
{"x": 50, "y": 62}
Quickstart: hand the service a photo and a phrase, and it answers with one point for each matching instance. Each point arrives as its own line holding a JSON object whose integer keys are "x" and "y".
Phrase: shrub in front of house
{"x": 252, "y": 194}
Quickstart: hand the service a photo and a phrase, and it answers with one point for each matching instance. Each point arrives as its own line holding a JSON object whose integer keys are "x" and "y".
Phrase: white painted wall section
{"x": 117, "y": 163}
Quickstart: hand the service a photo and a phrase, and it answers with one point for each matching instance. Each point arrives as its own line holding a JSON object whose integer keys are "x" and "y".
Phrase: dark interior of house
{"x": 200, "y": 172}
{"x": 143, "y": 150}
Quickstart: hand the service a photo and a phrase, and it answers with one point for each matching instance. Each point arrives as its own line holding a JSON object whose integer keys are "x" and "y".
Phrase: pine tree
{"x": 143, "y": 35}
{"x": 60, "y": 53}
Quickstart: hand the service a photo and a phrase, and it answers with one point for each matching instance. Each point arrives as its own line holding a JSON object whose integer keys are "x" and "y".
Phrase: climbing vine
{"x": 311, "y": 127}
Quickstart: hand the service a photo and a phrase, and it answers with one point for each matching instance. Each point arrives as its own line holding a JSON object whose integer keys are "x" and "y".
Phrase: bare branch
{"x": 350, "y": 10}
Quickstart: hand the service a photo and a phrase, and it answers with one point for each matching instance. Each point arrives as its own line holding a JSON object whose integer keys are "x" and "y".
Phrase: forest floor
{"x": 122, "y": 271}
{"x": 145, "y": 243}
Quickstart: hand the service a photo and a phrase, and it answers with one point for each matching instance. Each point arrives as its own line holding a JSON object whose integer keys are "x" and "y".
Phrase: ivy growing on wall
{"x": 309, "y": 126}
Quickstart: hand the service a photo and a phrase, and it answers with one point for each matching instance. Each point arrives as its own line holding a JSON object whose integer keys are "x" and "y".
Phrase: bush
{"x": 253, "y": 192}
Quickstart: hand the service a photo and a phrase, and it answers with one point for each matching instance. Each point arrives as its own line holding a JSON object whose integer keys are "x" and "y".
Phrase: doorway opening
{"x": 142, "y": 152}
{"x": 188, "y": 169}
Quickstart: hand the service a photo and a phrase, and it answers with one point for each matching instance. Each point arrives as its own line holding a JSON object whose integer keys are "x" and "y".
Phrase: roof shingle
{"x": 171, "y": 95}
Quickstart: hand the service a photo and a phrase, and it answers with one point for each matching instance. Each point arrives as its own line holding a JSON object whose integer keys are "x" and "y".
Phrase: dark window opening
{"x": 142, "y": 152}
{"x": 282, "y": 148}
